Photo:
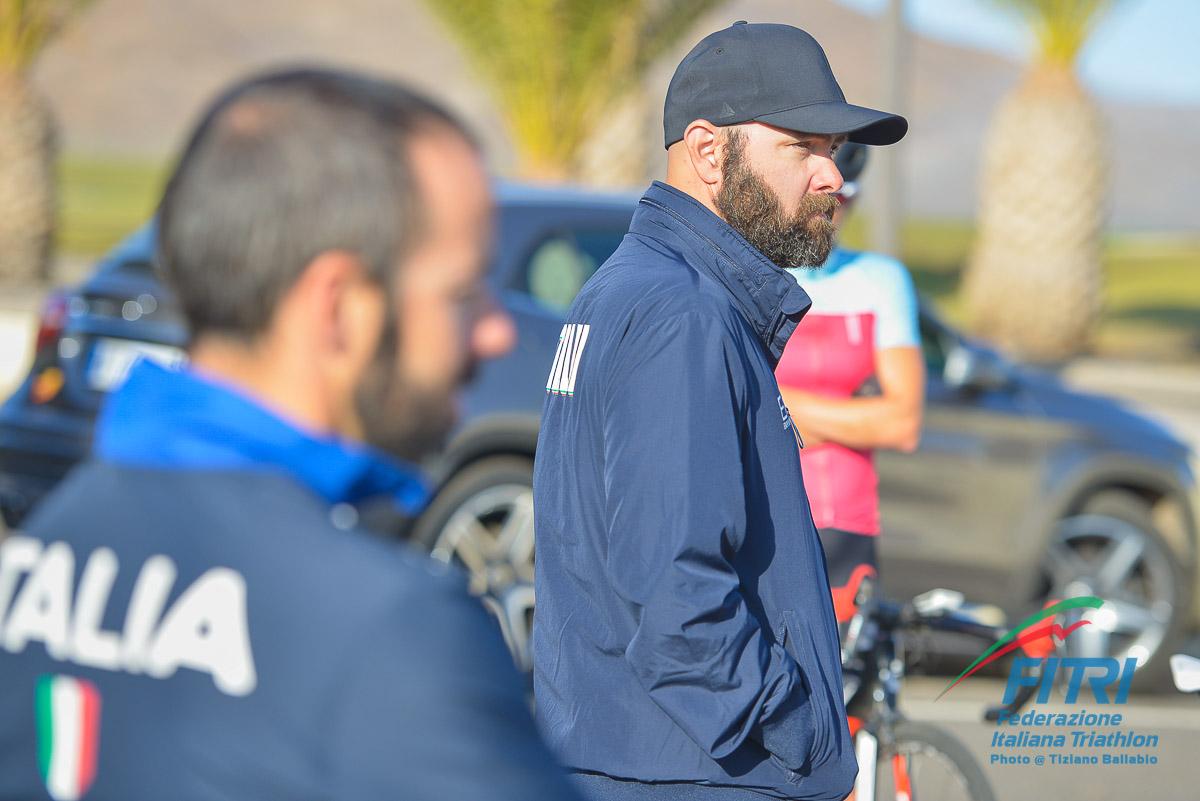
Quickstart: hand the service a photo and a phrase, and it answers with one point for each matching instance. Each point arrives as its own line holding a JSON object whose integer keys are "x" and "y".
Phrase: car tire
{"x": 482, "y": 521}
{"x": 1111, "y": 548}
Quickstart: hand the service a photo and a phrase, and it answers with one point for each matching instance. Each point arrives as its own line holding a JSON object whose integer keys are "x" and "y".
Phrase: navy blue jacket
{"x": 193, "y": 615}
{"x": 684, "y": 628}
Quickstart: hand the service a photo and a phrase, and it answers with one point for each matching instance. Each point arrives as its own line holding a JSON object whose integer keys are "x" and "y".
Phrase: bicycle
{"x": 898, "y": 757}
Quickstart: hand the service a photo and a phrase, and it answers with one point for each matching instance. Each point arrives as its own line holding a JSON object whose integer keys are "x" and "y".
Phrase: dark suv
{"x": 1022, "y": 489}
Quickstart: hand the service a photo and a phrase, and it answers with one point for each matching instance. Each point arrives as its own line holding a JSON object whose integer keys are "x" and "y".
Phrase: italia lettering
{"x": 205, "y": 629}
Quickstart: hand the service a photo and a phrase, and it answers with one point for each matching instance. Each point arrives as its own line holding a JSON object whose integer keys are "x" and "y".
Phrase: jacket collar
{"x": 768, "y": 298}
{"x": 178, "y": 419}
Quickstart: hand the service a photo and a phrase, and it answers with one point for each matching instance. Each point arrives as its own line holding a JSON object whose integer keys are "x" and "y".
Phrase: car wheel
{"x": 1113, "y": 550}
{"x": 482, "y": 521}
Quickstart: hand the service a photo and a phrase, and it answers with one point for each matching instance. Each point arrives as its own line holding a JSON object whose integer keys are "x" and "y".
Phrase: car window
{"x": 562, "y": 262}
{"x": 933, "y": 347}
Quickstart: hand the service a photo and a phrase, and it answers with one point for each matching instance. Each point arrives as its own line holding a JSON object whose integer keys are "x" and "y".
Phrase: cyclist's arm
{"x": 891, "y": 420}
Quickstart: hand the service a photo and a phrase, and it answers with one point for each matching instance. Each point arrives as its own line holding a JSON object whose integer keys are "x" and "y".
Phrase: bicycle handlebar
{"x": 907, "y": 616}
{"x": 994, "y": 713}
{"x": 961, "y": 624}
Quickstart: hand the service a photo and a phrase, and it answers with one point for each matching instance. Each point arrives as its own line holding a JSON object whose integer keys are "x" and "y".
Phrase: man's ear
{"x": 703, "y": 143}
{"x": 338, "y": 303}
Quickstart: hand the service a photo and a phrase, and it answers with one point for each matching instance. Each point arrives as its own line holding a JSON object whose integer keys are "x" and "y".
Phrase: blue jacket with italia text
{"x": 684, "y": 629}
{"x": 193, "y": 615}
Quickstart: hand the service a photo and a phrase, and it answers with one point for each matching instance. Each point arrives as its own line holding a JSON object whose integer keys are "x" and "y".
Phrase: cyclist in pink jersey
{"x": 853, "y": 377}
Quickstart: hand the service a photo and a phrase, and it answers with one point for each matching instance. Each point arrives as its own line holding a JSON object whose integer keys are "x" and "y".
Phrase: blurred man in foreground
{"x": 193, "y": 614}
{"x": 685, "y": 644}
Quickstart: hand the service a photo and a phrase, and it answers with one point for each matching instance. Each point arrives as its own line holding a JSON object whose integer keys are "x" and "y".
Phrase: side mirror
{"x": 1186, "y": 672}
{"x": 975, "y": 369}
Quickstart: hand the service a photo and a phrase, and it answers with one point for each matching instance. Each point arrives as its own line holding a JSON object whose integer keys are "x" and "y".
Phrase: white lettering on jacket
{"x": 205, "y": 629}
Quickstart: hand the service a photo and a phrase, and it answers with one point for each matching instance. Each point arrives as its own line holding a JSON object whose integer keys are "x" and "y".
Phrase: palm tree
{"x": 27, "y": 205}
{"x": 1034, "y": 280}
{"x": 557, "y": 66}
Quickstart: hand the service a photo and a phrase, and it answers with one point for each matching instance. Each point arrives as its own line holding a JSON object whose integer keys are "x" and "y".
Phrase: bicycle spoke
{"x": 919, "y": 770}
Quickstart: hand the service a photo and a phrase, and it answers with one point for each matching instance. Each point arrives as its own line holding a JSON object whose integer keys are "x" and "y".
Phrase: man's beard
{"x": 398, "y": 417}
{"x": 754, "y": 210}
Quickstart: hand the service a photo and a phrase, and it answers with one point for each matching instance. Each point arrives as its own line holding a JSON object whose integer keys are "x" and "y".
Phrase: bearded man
{"x": 685, "y": 644}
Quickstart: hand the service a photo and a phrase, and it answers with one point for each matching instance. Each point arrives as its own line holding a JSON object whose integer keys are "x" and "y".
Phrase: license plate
{"x": 113, "y": 358}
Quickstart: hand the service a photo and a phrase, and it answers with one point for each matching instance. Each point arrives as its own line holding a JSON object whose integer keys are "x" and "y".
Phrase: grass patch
{"x": 1152, "y": 298}
{"x": 103, "y": 200}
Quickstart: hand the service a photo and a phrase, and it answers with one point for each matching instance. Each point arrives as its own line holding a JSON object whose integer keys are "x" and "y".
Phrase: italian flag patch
{"x": 68, "y": 725}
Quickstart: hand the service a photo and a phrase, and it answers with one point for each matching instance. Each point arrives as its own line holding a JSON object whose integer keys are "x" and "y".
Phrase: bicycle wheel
{"x": 926, "y": 762}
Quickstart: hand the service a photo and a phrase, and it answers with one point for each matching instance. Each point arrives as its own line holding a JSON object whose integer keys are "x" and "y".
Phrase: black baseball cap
{"x": 769, "y": 73}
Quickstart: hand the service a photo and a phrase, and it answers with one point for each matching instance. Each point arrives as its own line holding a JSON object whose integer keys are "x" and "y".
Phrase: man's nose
{"x": 494, "y": 334}
{"x": 827, "y": 179}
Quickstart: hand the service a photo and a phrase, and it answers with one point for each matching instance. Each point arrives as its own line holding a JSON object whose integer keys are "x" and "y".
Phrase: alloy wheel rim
{"x": 490, "y": 535}
{"x": 1118, "y": 562}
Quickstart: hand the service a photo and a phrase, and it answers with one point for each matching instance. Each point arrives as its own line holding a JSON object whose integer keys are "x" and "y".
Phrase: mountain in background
{"x": 129, "y": 77}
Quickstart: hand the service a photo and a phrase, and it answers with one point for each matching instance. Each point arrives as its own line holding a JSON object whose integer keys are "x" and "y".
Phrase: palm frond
{"x": 1061, "y": 27}
{"x": 555, "y": 66}
{"x": 27, "y": 25}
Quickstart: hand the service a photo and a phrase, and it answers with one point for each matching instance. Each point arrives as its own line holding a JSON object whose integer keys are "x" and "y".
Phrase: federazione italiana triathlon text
{"x": 1093, "y": 736}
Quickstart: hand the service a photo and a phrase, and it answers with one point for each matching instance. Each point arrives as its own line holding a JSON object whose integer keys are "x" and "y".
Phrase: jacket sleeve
{"x": 432, "y": 708}
{"x": 673, "y": 477}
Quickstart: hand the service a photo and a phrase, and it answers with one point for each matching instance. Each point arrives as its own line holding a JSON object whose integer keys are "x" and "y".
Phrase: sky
{"x": 1142, "y": 50}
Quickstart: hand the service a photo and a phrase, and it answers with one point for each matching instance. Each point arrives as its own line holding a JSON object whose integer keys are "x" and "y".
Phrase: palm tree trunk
{"x": 1034, "y": 284}
{"x": 27, "y": 202}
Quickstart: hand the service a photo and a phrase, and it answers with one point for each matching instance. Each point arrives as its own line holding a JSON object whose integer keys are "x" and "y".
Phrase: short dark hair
{"x": 282, "y": 167}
